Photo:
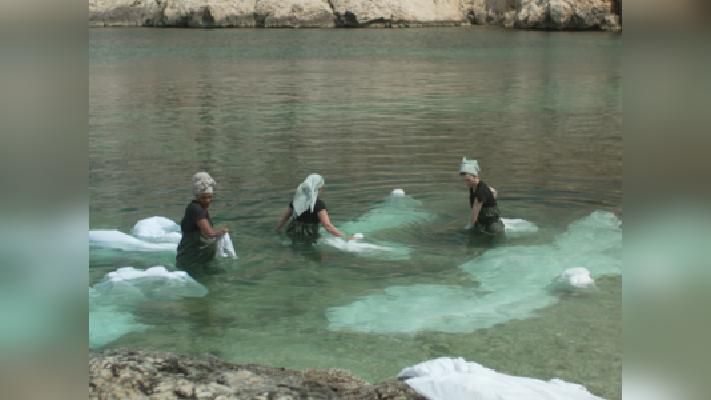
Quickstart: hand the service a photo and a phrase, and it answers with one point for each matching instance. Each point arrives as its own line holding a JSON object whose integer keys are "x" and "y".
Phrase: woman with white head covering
{"x": 307, "y": 211}
{"x": 198, "y": 244}
{"x": 485, "y": 216}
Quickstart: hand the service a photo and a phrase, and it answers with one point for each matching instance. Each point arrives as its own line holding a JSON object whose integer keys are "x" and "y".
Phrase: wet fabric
{"x": 195, "y": 249}
{"x": 193, "y": 213}
{"x": 304, "y": 232}
{"x": 483, "y": 193}
{"x": 488, "y": 221}
{"x": 225, "y": 248}
{"x": 309, "y": 216}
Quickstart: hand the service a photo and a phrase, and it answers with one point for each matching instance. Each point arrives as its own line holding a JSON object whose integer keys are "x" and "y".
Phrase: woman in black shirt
{"x": 485, "y": 215}
{"x": 198, "y": 245}
{"x": 307, "y": 211}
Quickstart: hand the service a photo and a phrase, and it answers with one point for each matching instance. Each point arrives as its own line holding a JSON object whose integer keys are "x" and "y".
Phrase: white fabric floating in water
{"x": 107, "y": 324}
{"x": 514, "y": 282}
{"x": 397, "y": 192}
{"x": 149, "y": 234}
{"x": 456, "y": 379}
{"x": 157, "y": 228}
{"x": 354, "y": 246}
{"x": 395, "y": 211}
{"x": 130, "y": 273}
{"x": 113, "y": 299}
{"x": 225, "y": 247}
{"x": 516, "y": 226}
{"x": 114, "y": 239}
{"x": 576, "y": 277}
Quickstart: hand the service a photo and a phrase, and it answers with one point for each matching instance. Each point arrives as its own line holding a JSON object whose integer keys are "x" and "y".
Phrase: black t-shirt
{"x": 193, "y": 213}
{"x": 308, "y": 216}
{"x": 482, "y": 193}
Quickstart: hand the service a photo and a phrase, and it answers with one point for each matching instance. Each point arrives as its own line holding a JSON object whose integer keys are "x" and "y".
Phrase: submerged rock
{"x": 524, "y": 14}
{"x": 127, "y": 374}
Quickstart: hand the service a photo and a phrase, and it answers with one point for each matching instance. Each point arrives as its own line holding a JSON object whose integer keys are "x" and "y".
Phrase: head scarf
{"x": 306, "y": 194}
{"x": 202, "y": 183}
{"x": 470, "y": 167}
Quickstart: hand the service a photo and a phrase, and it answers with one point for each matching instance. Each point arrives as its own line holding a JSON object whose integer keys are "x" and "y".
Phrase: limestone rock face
{"x": 367, "y": 12}
{"x": 123, "y": 12}
{"x": 295, "y": 13}
{"x": 490, "y": 12}
{"x": 563, "y": 14}
{"x": 523, "y": 14}
{"x": 207, "y": 13}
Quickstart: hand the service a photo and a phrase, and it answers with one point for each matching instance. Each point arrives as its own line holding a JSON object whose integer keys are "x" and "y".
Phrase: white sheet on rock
{"x": 457, "y": 379}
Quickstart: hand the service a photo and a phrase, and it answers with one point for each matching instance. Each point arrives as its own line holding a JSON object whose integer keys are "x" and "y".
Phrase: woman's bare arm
{"x": 326, "y": 222}
{"x": 207, "y": 230}
{"x": 284, "y": 217}
{"x": 475, "y": 210}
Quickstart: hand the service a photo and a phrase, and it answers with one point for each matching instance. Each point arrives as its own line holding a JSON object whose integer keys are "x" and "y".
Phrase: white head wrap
{"x": 470, "y": 167}
{"x": 202, "y": 183}
{"x": 306, "y": 194}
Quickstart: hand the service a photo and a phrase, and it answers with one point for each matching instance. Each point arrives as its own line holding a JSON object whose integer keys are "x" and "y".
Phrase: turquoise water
{"x": 370, "y": 110}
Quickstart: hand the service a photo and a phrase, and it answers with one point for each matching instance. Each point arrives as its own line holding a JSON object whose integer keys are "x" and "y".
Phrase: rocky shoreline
{"x": 130, "y": 374}
{"x": 602, "y": 15}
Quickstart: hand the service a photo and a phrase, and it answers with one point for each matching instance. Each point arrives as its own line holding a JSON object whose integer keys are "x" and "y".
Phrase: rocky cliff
{"x": 523, "y": 14}
{"x": 125, "y": 374}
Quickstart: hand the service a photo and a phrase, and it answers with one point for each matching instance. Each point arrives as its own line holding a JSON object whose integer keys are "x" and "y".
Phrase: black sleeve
{"x": 195, "y": 213}
{"x": 291, "y": 205}
{"x": 320, "y": 205}
{"x": 481, "y": 193}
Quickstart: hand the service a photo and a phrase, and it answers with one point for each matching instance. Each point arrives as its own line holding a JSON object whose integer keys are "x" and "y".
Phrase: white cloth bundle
{"x": 225, "y": 247}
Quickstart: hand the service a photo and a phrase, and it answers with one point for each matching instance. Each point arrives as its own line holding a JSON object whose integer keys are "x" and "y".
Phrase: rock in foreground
{"x": 127, "y": 374}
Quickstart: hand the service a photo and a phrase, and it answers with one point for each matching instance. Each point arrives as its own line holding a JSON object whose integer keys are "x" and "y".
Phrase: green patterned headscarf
{"x": 470, "y": 167}
{"x": 306, "y": 194}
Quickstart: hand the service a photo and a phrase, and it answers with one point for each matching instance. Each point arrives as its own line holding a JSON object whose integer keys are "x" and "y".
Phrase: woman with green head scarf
{"x": 307, "y": 211}
{"x": 485, "y": 216}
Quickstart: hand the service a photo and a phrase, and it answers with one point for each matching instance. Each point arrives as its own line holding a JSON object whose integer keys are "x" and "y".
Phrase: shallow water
{"x": 371, "y": 110}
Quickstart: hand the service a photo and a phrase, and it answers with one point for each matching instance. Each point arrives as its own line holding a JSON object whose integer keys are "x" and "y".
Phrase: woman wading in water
{"x": 485, "y": 217}
{"x": 307, "y": 212}
{"x": 198, "y": 245}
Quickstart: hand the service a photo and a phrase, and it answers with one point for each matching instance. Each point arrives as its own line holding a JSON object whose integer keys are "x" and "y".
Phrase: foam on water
{"x": 457, "y": 379}
{"x": 514, "y": 281}
{"x": 112, "y": 300}
{"x": 150, "y": 234}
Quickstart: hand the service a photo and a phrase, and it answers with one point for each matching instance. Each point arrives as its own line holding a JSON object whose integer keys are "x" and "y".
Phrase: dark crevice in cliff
{"x": 345, "y": 20}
